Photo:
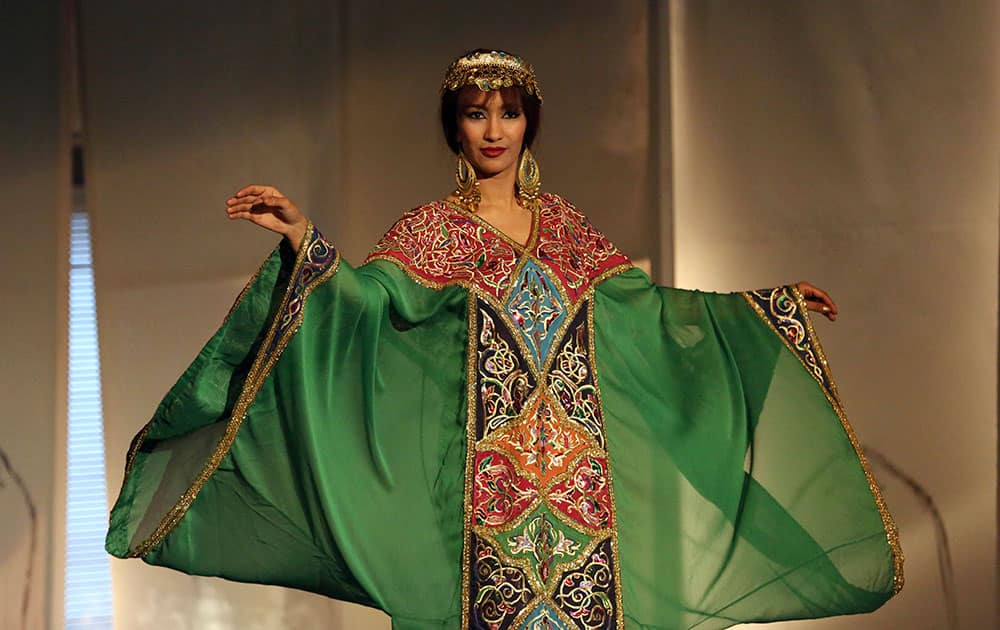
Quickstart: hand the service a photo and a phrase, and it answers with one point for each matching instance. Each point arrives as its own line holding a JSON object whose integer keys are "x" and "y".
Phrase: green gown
{"x": 468, "y": 432}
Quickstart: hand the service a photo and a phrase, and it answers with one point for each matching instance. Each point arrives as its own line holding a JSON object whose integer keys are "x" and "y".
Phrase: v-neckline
{"x": 523, "y": 247}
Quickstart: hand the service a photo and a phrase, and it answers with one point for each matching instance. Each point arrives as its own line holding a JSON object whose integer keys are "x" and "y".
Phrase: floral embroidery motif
{"x": 538, "y": 489}
{"x": 572, "y": 247}
{"x": 536, "y": 310}
{"x": 504, "y": 381}
{"x": 542, "y": 445}
{"x": 587, "y": 593}
{"x": 319, "y": 256}
{"x": 500, "y": 494}
{"x": 500, "y": 591}
{"x": 780, "y": 309}
{"x": 543, "y": 618}
{"x": 543, "y": 539}
{"x": 442, "y": 245}
{"x": 585, "y": 496}
{"x": 571, "y": 380}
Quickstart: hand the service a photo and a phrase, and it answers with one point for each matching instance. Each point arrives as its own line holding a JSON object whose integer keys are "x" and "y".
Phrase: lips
{"x": 492, "y": 152}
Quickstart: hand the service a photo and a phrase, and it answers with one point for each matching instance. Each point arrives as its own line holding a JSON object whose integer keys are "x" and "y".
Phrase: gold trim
{"x": 528, "y": 246}
{"x": 607, "y": 447}
{"x": 833, "y": 397}
{"x": 258, "y": 373}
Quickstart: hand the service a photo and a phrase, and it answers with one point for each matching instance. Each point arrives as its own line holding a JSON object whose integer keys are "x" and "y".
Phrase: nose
{"x": 493, "y": 131}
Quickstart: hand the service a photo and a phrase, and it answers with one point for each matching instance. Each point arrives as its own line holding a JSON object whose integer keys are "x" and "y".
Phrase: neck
{"x": 497, "y": 192}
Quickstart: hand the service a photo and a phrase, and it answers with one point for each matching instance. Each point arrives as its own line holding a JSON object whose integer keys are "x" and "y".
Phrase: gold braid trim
{"x": 270, "y": 350}
{"x": 833, "y": 397}
{"x": 491, "y": 71}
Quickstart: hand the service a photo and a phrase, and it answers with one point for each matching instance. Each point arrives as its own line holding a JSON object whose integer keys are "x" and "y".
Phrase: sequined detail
{"x": 439, "y": 244}
{"x": 504, "y": 380}
{"x": 543, "y": 540}
{"x": 536, "y": 310}
{"x": 539, "y": 501}
{"x": 500, "y": 590}
{"x": 571, "y": 379}
{"x": 542, "y": 445}
{"x": 543, "y": 617}
{"x": 778, "y": 305}
{"x": 587, "y": 593}
{"x": 538, "y": 479}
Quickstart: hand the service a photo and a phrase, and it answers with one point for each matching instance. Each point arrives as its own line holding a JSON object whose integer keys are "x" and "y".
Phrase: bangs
{"x": 472, "y": 95}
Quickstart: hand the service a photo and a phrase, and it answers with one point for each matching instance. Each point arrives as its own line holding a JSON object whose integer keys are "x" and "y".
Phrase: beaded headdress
{"x": 491, "y": 71}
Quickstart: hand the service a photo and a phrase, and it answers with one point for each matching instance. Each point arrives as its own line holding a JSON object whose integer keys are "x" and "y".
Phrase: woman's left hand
{"x": 817, "y": 300}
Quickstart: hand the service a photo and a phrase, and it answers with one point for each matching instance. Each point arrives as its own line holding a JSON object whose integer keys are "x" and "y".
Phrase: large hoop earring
{"x": 529, "y": 180}
{"x": 468, "y": 186}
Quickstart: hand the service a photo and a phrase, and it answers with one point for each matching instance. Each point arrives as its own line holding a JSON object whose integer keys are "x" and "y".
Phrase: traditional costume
{"x": 468, "y": 432}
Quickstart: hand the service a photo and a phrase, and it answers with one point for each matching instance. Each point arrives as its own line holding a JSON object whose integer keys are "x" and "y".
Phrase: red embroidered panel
{"x": 443, "y": 245}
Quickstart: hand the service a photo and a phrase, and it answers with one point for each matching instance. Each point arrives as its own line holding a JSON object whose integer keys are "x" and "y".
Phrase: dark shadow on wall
{"x": 12, "y": 483}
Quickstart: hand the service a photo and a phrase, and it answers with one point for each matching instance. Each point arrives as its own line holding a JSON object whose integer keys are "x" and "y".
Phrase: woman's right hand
{"x": 268, "y": 208}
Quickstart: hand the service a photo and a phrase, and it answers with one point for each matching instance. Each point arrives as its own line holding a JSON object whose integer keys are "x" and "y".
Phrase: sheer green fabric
{"x": 331, "y": 458}
{"x": 740, "y": 497}
{"x": 345, "y": 478}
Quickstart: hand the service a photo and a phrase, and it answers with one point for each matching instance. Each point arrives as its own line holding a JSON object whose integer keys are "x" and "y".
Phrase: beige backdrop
{"x": 851, "y": 143}
{"x": 34, "y": 178}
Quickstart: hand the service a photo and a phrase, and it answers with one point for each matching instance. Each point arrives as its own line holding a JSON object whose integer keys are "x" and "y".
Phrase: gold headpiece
{"x": 491, "y": 71}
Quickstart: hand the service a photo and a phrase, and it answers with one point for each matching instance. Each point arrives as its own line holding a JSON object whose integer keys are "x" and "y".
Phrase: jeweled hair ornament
{"x": 491, "y": 71}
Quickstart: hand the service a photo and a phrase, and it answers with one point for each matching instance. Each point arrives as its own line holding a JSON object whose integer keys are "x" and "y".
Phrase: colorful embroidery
{"x": 541, "y": 492}
{"x": 504, "y": 380}
{"x": 543, "y": 540}
{"x": 543, "y": 618}
{"x": 585, "y": 496}
{"x": 319, "y": 256}
{"x": 541, "y": 445}
{"x": 587, "y": 593}
{"x": 500, "y": 591}
{"x": 539, "y": 549}
{"x": 779, "y": 308}
{"x": 440, "y": 244}
{"x": 571, "y": 380}
{"x": 536, "y": 310}
{"x": 500, "y": 494}
{"x": 573, "y": 249}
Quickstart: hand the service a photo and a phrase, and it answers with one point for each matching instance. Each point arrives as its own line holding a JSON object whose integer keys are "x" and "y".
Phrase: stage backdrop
{"x": 854, "y": 146}
{"x": 35, "y": 180}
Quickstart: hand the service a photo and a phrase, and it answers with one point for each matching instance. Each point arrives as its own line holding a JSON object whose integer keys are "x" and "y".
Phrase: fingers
{"x": 260, "y": 203}
{"x": 818, "y": 300}
{"x": 257, "y": 190}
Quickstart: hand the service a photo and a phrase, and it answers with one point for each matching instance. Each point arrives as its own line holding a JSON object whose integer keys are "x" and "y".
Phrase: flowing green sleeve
{"x": 742, "y": 493}
{"x": 316, "y": 442}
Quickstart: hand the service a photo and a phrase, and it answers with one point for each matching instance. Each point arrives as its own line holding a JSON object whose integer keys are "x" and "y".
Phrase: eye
{"x": 512, "y": 113}
{"x": 475, "y": 114}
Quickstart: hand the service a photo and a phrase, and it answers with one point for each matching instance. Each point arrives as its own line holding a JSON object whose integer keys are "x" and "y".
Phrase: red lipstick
{"x": 492, "y": 152}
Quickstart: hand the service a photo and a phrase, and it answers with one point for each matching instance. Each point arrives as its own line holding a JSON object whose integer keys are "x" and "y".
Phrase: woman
{"x": 498, "y": 422}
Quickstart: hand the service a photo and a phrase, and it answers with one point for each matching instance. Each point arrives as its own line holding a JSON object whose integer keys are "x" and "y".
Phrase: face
{"x": 491, "y": 131}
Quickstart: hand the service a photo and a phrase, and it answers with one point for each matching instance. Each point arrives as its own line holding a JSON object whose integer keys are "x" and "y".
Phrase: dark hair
{"x": 529, "y": 103}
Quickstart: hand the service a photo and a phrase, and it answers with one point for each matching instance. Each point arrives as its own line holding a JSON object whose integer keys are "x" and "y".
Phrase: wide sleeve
{"x": 316, "y": 442}
{"x": 742, "y": 492}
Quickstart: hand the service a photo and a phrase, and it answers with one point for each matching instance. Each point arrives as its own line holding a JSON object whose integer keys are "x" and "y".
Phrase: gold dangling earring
{"x": 529, "y": 180}
{"x": 468, "y": 186}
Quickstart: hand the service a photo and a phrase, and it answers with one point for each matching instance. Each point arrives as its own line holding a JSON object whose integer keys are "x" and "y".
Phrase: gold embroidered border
{"x": 833, "y": 397}
{"x": 261, "y": 367}
{"x": 611, "y": 489}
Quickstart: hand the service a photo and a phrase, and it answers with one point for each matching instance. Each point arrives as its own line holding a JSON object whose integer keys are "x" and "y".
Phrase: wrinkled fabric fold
{"x": 740, "y": 495}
